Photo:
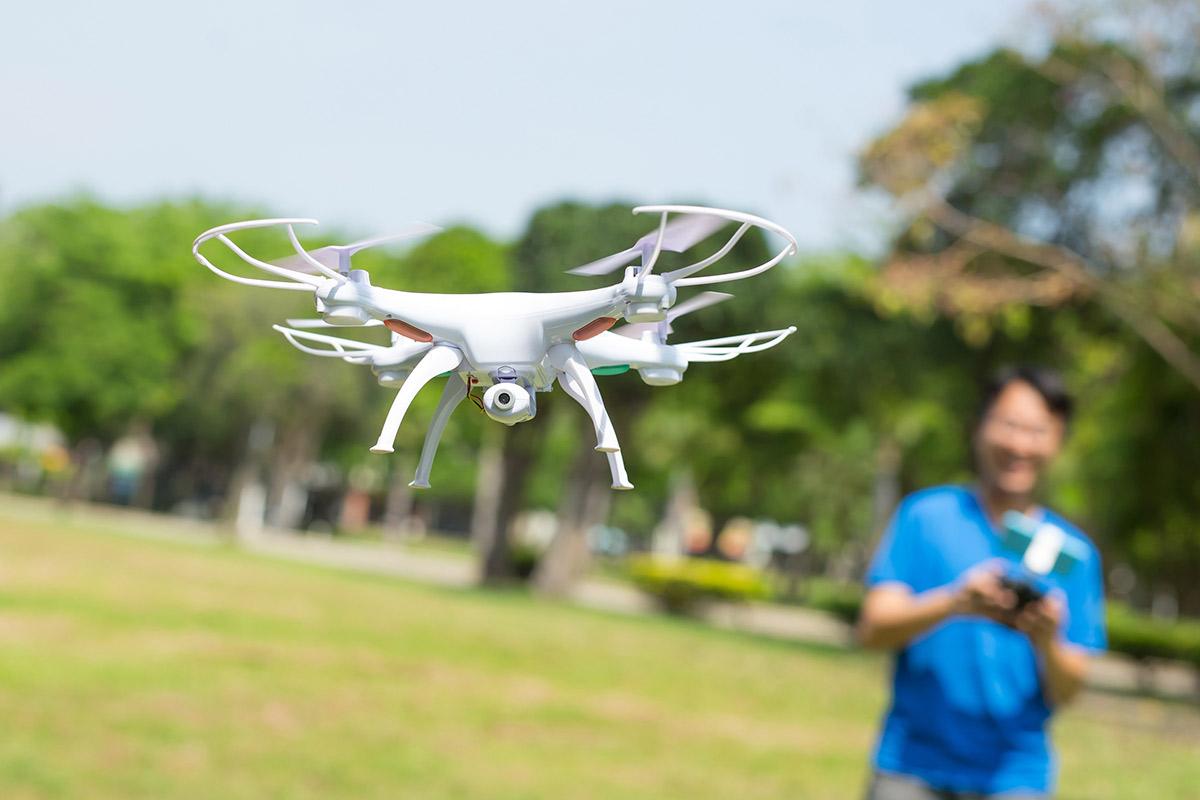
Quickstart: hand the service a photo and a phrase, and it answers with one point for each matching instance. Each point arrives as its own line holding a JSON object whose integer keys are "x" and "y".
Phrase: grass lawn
{"x": 133, "y": 668}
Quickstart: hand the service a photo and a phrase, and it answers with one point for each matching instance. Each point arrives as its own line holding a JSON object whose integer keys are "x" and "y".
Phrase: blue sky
{"x": 369, "y": 115}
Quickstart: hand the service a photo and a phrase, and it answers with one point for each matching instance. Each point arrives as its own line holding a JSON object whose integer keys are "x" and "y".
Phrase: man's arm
{"x": 1064, "y": 666}
{"x": 892, "y": 615}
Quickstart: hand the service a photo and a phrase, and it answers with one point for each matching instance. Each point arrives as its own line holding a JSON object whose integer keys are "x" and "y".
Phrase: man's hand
{"x": 981, "y": 594}
{"x": 1041, "y": 620}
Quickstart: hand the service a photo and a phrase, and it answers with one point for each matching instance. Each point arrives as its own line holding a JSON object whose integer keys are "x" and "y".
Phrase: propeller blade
{"x": 677, "y": 236}
{"x": 407, "y": 232}
{"x": 607, "y": 264}
{"x": 326, "y": 255}
{"x": 337, "y": 256}
{"x": 702, "y": 300}
{"x": 684, "y": 233}
{"x": 320, "y": 323}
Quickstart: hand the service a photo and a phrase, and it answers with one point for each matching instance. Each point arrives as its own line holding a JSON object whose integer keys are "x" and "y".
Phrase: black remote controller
{"x": 1026, "y": 592}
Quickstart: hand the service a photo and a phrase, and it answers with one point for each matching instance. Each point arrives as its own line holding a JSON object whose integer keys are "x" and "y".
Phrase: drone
{"x": 514, "y": 345}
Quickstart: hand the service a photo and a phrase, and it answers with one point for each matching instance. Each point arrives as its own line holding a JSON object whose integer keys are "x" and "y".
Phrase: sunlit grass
{"x": 131, "y": 668}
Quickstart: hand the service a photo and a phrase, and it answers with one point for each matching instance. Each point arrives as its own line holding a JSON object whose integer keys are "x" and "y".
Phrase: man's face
{"x": 1017, "y": 439}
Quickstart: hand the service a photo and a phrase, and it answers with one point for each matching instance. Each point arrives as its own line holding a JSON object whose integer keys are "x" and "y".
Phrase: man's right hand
{"x": 980, "y": 593}
{"x": 892, "y": 615}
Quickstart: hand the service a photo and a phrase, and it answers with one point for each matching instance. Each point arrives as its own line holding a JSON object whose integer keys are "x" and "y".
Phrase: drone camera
{"x": 508, "y": 403}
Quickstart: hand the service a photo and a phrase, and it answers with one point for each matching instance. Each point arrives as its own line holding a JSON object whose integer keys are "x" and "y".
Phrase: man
{"x": 976, "y": 677}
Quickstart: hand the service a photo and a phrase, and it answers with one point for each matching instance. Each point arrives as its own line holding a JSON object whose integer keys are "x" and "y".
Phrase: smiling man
{"x": 976, "y": 676}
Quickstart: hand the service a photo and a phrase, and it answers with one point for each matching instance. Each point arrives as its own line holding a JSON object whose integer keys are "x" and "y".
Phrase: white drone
{"x": 514, "y": 343}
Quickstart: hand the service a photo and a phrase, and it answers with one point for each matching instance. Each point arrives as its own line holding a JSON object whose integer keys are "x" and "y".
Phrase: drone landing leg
{"x": 452, "y": 395}
{"x": 616, "y": 464}
{"x": 566, "y": 359}
{"x": 439, "y": 359}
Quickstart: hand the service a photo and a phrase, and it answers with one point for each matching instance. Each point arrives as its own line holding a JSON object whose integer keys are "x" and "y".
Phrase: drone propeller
{"x": 702, "y": 300}
{"x": 320, "y": 323}
{"x": 676, "y": 237}
{"x": 337, "y": 256}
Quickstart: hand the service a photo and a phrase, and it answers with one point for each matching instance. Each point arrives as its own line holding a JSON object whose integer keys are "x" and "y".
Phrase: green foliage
{"x": 1089, "y": 146}
{"x": 524, "y": 560}
{"x": 840, "y": 598}
{"x": 94, "y": 319}
{"x": 1142, "y": 636}
{"x": 1130, "y": 632}
{"x": 681, "y": 585}
{"x": 458, "y": 259}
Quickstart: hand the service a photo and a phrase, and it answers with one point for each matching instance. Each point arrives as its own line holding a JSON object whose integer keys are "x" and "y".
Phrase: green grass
{"x": 131, "y": 668}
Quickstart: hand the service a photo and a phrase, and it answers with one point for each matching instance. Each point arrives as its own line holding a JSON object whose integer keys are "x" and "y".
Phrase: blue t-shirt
{"x": 967, "y": 712}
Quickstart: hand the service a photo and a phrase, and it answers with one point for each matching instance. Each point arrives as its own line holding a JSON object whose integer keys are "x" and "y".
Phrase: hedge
{"x": 1131, "y": 632}
{"x": 680, "y": 585}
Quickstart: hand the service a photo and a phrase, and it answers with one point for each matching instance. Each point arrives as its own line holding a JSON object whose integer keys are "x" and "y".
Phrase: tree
{"x": 1071, "y": 176}
{"x": 93, "y": 322}
{"x": 1059, "y": 191}
{"x": 557, "y": 238}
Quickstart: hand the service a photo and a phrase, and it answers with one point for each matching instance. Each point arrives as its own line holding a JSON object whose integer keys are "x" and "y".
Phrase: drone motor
{"x": 391, "y": 377}
{"x": 660, "y": 376}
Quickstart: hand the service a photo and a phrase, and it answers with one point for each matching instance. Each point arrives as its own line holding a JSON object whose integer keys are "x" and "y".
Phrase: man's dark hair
{"x": 1048, "y": 383}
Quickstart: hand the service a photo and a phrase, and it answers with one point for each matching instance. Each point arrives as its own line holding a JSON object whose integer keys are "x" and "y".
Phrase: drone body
{"x": 513, "y": 344}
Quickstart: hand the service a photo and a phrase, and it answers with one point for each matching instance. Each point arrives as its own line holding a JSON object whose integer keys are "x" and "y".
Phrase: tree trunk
{"x": 518, "y": 448}
{"x": 86, "y": 456}
{"x": 488, "y": 536}
{"x": 286, "y": 498}
{"x": 885, "y": 495}
{"x": 586, "y": 499}
{"x": 244, "y": 495}
{"x": 398, "y": 506}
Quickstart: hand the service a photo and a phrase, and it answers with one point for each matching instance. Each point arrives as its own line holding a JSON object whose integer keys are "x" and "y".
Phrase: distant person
{"x": 130, "y": 463}
{"x": 975, "y": 679}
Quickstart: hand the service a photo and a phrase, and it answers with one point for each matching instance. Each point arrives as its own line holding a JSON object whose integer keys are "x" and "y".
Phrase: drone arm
{"x": 616, "y": 464}
{"x": 452, "y": 395}
{"x": 566, "y": 359}
{"x": 440, "y": 358}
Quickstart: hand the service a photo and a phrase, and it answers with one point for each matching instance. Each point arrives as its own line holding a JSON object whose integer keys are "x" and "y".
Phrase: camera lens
{"x": 504, "y": 398}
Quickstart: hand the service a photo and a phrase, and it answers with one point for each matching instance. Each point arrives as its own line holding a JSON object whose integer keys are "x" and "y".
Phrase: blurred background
{"x": 973, "y": 184}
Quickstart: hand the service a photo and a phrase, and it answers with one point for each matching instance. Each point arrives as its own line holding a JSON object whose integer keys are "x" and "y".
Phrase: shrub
{"x": 843, "y": 600}
{"x": 681, "y": 585}
{"x": 1130, "y": 632}
{"x": 524, "y": 560}
{"x": 1142, "y": 636}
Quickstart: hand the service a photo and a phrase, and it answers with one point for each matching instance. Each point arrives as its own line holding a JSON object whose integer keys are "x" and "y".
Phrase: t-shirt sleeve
{"x": 1085, "y": 607}
{"x": 894, "y": 560}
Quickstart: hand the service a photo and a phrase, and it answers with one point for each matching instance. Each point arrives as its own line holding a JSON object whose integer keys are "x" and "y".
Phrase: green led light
{"x": 615, "y": 369}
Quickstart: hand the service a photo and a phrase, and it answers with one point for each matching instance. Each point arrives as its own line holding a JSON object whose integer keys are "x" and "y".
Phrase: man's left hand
{"x": 1041, "y": 620}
